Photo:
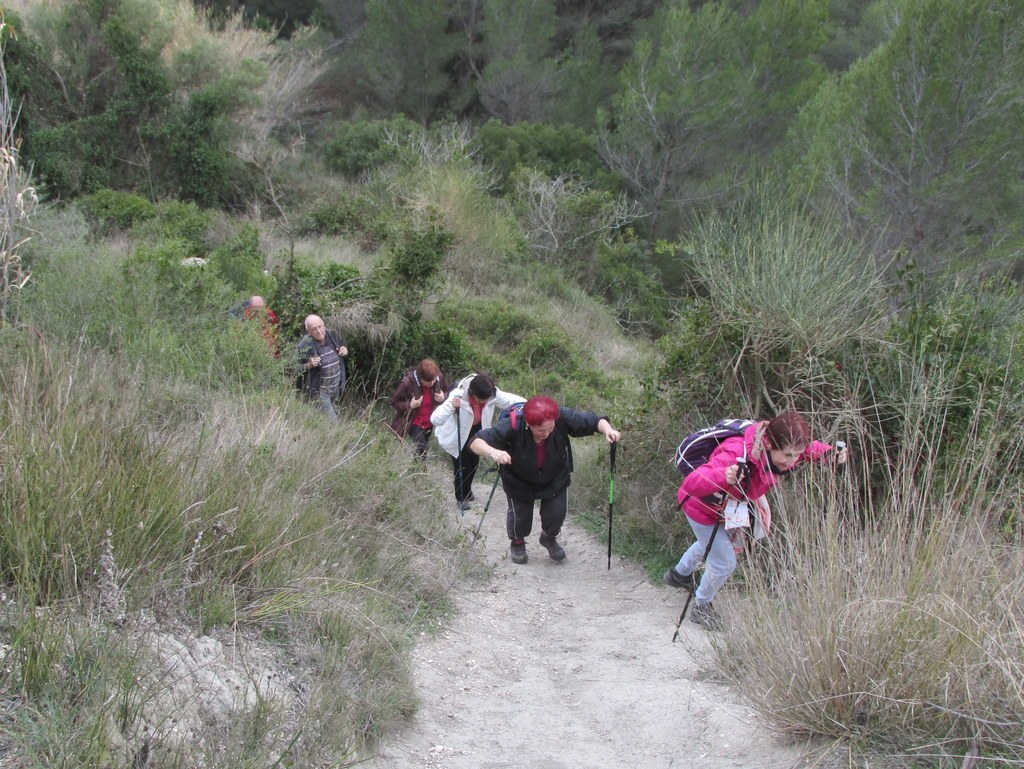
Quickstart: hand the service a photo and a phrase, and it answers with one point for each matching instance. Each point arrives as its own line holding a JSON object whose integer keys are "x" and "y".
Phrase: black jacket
{"x": 522, "y": 478}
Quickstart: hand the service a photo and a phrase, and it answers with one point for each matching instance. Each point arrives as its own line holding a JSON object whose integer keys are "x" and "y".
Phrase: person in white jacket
{"x": 469, "y": 407}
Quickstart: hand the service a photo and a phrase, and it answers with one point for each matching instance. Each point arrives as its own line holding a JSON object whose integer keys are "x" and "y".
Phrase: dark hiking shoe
{"x": 706, "y": 616}
{"x": 471, "y": 497}
{"x": 518, "y": 549}
{"x": 554, "y": 549}
{"x": 464, "y": 505}
{"x": 675, "y": 579}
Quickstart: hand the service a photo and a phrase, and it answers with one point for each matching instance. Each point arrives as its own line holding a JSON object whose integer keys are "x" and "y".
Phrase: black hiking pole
{"x": 458, "y": 432}
{"x": 689, "y": 596}
{"x": 611, "y": 501}
{"x": 497, "y": 477}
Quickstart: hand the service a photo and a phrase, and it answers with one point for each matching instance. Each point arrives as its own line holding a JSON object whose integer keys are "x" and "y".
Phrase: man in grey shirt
{"x": 323, "y": 370}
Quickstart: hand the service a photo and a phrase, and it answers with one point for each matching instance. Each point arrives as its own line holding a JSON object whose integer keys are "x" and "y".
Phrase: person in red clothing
{"x": 257, "y": 308}
{"x": 741, "y": 469}
{"x": 417, "y": 395}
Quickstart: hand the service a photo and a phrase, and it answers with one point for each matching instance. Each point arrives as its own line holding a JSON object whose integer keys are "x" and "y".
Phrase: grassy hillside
{"x": 161, "y": 480}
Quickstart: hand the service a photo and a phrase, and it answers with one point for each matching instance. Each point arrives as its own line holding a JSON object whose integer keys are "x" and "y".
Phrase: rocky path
{"x": 571, "y": 666}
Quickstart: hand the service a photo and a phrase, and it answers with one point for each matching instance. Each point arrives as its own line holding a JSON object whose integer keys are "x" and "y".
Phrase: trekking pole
{"x": 611, "y": 501}
{"x": 497, "y": 477}
{"x": 458, "y": 432}
{"x": 689, "y": 596}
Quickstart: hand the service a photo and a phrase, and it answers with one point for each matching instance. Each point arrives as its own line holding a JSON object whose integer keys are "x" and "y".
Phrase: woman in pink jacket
{"x": 741, "y": 469}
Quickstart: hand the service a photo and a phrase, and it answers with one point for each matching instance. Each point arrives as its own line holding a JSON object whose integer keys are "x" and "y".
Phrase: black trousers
{"x": 419, "y": 437}
{"x": 519, "y": 518}
{"x": 465, "y": 466}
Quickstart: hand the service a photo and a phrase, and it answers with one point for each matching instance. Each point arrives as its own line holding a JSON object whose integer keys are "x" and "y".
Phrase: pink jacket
{"x": 709, "y": 479}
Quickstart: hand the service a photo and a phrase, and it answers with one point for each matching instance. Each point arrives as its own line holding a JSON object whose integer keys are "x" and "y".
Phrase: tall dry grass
{"x": 896, "y": 622}
{"x": 133, "y": 510}
{"x": 17, "y": 198}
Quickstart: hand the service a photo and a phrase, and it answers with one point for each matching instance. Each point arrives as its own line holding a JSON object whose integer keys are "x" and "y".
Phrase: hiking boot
{"x": 554, "y": 549}
{"x": 518, "y": 549}
{"x": 704, "y": 614}
{"x": 674, "y": 579}
{"x": 464, "y": 505}
{"x": 471, "y": 497}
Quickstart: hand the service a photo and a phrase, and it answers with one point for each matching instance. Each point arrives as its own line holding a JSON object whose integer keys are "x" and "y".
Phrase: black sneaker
{"x": 518, "y": 549}
{"x": 471, "y": 497}
{"x": 706, "y": 616}
{"x": 464, "y": 505}
{"x": 554, "y": 549}
{"x": 675, "y": 579}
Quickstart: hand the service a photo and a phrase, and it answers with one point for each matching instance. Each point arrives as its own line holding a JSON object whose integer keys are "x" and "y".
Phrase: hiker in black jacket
{"x": 322, "y": 366}
{"x": 536, "y": 463}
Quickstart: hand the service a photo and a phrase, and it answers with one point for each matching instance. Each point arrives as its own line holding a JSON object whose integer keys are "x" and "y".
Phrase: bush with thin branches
{"x": 789, "y": 284}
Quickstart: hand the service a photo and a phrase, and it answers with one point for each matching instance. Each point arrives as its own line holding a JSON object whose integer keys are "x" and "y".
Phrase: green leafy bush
{"x": 359, "y": 146}
{"x": 628, "y": 282}
{"x": 239, "y": 261}
{"x": 304, "y": 289}
{"x": 198, "y": 166}
{"x": 338, "y": 215}
{"x": 561, "y": 150}
{"x": 524, "y": 349}
{"x": 959, "y": 348}
{"x": 181, "y": 221}
{"x": 416, "y": 252}
{"x": 109, "y": 210}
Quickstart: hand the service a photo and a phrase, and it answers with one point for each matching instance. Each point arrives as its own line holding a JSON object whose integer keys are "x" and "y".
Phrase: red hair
{"x": 788, "y": 429}
{"x": 539, "y": 409}
{"x": 427, "y": 369}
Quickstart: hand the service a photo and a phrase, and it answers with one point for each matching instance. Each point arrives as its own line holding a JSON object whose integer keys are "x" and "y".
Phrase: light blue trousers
{"x": 721, "y": 560}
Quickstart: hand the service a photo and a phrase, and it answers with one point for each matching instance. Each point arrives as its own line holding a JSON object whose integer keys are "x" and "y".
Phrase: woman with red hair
{"x": 536, "y": 463}
{"x": 419, "y": 393}
{"x": 740, "y": 469}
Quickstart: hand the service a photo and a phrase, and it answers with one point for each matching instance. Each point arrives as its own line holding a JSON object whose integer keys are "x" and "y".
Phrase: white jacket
{"x": 447, "y": 430}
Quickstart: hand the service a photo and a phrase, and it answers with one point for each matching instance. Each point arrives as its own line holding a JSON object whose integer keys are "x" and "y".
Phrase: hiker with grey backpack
{"x": 725, "y": 488}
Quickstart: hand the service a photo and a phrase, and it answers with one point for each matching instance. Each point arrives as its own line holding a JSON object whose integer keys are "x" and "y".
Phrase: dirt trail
{"x": 571, "y": 666}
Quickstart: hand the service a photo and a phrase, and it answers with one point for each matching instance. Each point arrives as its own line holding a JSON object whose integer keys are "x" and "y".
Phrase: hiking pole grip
{"x": 742, "y": 471}
{"x": 611, "y": 499}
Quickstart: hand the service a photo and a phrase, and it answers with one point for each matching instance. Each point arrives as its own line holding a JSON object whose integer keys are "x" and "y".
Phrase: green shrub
{"x": 239, "y": 261}
{"x": 959, "y": 347}
{"x": 109, "y": 210}
{"x": 562, "y": 150}
{"x": 788, "y": 282}
{"x": 411, "y": 269}
{"x": 182, "y": 221}
{"x": 340, "y": 215}
{"x": 631, "y": 285}
{"x": 358, "y": 146}
{"x": 524, "y": 349}
{"x": 499, "y": 325}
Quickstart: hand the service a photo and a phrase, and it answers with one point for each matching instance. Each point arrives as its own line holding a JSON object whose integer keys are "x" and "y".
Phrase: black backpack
{"x": 696, "y": 448}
